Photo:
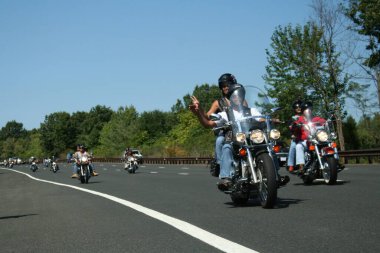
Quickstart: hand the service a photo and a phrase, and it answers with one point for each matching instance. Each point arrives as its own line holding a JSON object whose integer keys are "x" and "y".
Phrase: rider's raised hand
{"x": 194, "y": 106}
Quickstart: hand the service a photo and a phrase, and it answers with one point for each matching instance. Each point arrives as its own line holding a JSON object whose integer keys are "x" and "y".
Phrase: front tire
{"x": 330, "y": 172}
{"x": 267, "y": 180}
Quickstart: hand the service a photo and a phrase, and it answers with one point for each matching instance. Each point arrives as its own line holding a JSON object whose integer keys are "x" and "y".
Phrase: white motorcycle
{"x": 131, "y": 164}
{"x": 54, "y": 167}
{"x": 84, "y": 171}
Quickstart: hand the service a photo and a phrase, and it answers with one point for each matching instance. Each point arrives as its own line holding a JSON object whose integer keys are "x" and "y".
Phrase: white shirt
{"x": 237, "y": 114}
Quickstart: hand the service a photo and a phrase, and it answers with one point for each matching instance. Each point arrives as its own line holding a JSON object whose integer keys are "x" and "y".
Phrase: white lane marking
{"x": 183, "y": 173}
{"x": 153, "y": 172}
{"x": 211, "y": 239}
{"x": 185, "y": 168}
{"x": 161, "y": 167}
{"x": 322, "y": 180}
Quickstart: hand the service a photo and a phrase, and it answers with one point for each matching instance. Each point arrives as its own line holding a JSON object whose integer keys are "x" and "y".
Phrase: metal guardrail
{"x": 369, "y": 154}
{"x": 163, "y": 160}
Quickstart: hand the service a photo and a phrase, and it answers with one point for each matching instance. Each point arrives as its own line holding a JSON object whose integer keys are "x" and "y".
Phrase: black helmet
{"x": 297, "y": 103}
{"x": 306, "y": 105}
{"x": 226, "y": 79}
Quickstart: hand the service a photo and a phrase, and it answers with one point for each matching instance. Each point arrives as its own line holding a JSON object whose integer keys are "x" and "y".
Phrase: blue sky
{"x": 72, "y": 55}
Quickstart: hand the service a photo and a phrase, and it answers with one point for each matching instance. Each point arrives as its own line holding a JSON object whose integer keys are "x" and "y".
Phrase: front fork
{"x": 252, "y": 165}
{"x": 319, "y": 157}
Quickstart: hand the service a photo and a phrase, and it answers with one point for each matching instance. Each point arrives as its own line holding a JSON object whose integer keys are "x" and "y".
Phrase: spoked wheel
{"x": 267, "y": 180}
{"x": 330, "y": 171}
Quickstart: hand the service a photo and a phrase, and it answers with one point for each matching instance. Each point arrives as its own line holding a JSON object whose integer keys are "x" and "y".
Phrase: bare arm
{"x": 201, "y": 115}
{"x": 214, "y": 107}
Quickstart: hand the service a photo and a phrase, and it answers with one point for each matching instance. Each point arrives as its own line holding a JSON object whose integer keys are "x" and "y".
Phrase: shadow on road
{"x": 284, "y": 203}
{"x": 281, "y": 203}
{"x": 16, "y": 216}
{"x": 321, "y": 182}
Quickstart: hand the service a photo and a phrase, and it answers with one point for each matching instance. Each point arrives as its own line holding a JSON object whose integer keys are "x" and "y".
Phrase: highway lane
{"x": 340, "y": 218}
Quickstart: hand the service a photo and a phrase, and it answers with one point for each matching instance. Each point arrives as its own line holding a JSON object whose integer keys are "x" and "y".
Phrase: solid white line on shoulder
{"x": 194, "y": 231}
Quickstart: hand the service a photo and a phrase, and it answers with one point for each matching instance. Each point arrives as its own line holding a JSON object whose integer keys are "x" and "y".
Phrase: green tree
{"x": 57, "y": 133}
{"x": 350, "y": 132}
{"x": 120, "y": 132}
{"x": 91, "y": 125}
{"x": 304, "y": 65}
{"x": 365, "y": 16}
{"x": 368, "y": 132}
{"x": 12, "y": 129}
{"x": 156, "y": 123}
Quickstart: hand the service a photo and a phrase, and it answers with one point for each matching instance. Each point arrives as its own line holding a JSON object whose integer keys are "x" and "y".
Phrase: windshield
{"x": 245, "y": 114}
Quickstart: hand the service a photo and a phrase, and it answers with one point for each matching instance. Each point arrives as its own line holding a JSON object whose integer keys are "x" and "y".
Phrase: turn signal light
{"x": 311, "y": 147}
{"x": 242, "y": 152}
{"x": 333, "y": 144}
{"x": 276, "y": 148}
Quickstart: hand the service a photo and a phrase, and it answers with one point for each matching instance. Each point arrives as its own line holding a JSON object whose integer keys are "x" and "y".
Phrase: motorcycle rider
{"x": 301, "y": 134}
{"x": 292, "y": 148}
{"x": 33, "y": 160}
{"x": 81, "y": 151}
{"x": 221, "y": 105}
{"x": 236, "y": 95}
{"x": 53, "y": 160}
{"x": 128, "y": 152}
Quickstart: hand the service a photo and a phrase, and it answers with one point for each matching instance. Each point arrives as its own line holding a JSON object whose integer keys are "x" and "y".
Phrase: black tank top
{"x": 222, "y": 104}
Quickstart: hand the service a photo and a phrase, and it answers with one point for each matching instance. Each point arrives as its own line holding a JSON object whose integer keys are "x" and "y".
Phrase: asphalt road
{"x": 177, "y": 208}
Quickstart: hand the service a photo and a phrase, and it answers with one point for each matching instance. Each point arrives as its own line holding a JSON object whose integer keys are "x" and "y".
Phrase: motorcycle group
{"x": 246, "y": 147}
{"x": 246, "y": 144}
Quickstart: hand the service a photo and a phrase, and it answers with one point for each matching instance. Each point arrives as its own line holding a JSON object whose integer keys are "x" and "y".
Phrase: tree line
{"x": 309, "y": 62}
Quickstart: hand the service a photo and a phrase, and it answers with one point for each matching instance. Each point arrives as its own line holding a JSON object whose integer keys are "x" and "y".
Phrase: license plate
{"x": 282, "y": 159}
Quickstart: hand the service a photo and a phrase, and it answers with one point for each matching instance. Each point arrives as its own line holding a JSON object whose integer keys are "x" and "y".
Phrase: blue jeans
{"x": 76, "y": 168}
{"x": 218, "y": 148}
{"x": 227, "y": 162}
{"x": 300, "y": 152}
{"x": 292, "y": 153}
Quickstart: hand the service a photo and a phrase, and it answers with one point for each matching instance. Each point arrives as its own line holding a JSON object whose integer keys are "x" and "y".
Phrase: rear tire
{"x": 266, "y": 174}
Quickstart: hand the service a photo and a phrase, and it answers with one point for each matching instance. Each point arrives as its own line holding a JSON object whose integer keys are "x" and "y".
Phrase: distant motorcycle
{"x": 131, "y": 164}
{"x": 54, "y": 167}
{"x": 84, "y": 171}
{"x": 33, "y": 167}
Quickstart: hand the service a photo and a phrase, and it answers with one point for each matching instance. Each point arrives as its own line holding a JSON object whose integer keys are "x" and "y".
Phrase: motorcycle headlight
{"x": 240, "y": 137}
{"x": 257, "y": 136}
{"x": 322, "y": 136}
{"x": 275, "y": 134}
{"x": 84, "y": 159}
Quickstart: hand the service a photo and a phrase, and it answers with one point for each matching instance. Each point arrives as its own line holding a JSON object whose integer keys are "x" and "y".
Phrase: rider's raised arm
{"x": 196, "y": 108}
